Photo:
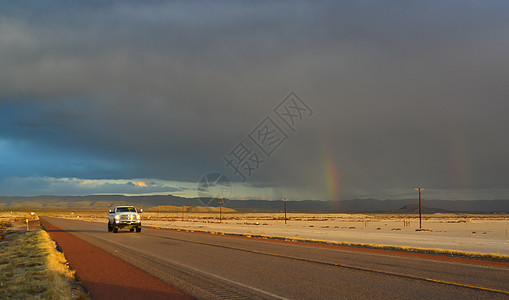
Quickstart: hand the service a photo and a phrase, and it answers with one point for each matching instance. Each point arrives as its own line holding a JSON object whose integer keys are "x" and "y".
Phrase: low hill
{"x": 190, "y": 209}
{"x": 345, "y": 206}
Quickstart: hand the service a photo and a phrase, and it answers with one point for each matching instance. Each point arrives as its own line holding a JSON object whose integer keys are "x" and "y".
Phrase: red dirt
{"x": 105, "y": 276}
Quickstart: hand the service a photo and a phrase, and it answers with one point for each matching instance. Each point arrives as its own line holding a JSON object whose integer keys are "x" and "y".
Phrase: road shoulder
{"x": 106, "y": 276}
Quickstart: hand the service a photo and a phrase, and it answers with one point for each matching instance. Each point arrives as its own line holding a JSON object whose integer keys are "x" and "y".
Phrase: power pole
{"x": 284, "y": 201}
{"x": 419, "y": 189}
{"x": 182, "y": 212}
{"x": 221, "y": 211}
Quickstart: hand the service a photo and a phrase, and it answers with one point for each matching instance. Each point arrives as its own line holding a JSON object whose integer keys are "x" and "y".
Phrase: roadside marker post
{"x": 27, "y": 224}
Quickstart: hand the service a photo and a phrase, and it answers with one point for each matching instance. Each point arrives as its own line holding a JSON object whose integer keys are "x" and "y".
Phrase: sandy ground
{"x": 470, "y": 234}
{"x": 486, "y": 234}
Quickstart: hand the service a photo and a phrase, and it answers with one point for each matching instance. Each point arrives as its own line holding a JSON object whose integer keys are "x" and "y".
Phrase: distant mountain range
{"x": 354, "y": 206}
{"x": 414, "y": 208}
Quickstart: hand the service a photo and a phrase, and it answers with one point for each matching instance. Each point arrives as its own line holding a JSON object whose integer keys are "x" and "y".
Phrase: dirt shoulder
{"x": 106, "y": 276}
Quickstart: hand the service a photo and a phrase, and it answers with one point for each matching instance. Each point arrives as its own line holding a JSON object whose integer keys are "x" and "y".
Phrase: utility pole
{"x": 284, "y": 201}
{"x": 221, "y": 211}
{"x": 182, "y": 212}
{"x": 419, "y": 189}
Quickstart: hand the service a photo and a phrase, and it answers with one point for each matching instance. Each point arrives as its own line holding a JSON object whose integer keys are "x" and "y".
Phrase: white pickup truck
{"x": 124, "y": 217}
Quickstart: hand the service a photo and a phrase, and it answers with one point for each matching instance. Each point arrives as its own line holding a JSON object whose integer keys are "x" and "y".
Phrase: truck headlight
{"x": 138, "y": 217}
{"x": 117, "y": 217}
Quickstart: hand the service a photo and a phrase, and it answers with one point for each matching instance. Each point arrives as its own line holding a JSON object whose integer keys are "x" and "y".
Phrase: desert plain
{"x": 466, "y": 233}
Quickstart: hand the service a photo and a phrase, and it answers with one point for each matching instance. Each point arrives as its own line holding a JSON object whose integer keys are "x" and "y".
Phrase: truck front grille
{"x": 128, "y": 217}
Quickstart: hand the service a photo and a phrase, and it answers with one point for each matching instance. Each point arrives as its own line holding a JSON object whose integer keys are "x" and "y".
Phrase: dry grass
{"x": 31, "y": 268}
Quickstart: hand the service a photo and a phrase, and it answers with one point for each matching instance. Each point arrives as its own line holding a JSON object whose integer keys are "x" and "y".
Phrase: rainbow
{"x": 331, "y": 175}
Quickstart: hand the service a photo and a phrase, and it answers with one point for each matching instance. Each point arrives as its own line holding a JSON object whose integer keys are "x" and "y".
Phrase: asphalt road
{"x": 221, "y": 267}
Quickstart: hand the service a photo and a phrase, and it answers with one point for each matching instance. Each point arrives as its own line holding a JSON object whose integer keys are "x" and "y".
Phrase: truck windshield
{"x": 126, "y": 209}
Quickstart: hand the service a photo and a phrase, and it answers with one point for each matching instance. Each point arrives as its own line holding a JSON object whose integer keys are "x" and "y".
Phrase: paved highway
{"x": 221, "y": 267}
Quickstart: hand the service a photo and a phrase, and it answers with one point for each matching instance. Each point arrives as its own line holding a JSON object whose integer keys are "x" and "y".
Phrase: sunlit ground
{"x": 487, "y": 234}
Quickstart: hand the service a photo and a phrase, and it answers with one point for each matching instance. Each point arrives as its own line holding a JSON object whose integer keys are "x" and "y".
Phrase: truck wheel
{"x": 138, "y": 229}
{"x": 131, "y": 229}
{"x": 115, "y": 229}
{"x": 109, "y": 227}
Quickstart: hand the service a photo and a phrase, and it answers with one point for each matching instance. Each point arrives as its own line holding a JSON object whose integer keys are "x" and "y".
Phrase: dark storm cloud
{"x": 404, "y": 93}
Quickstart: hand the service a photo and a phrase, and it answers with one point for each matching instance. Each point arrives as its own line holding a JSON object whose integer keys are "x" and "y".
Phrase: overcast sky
{"x": 148, "y": 97}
